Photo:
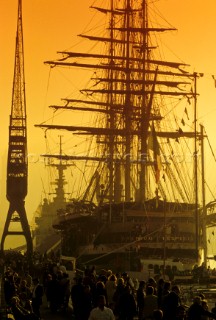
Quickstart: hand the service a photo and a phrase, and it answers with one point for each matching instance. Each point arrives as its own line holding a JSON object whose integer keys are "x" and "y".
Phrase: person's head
{"x": 35, "y": 281}
{"x": 205, "y": 304}
{"x": 167, "y": 286}
{"x": 87, "y": 288}
{"x": 161, "y": 283}
{"x": 60, "y": 274}
{"x": 101, "y": 302}
{"x": 15, "y": 300}
{"x": 125, "y": 275}
{"x": 100, "y": 285}
{"x": 157, "y": 314}
{"x": 112, "y": 277}
{"x": 176, "y": 289}
{"x": 197, "y": 300}
{"x": 16, "y": 276}
{"x": 152, "y": 282}
{"x": 120, "y": 282}
{"x": 127, "y": 289}
{"x": 109, "y": 273}
{"x": 23, "y": 283}
{"x": 49, "y": 277}
{"x": 142, "y": 284}
{"x": 149, "y": 290}
{"x": 202, "y": 296}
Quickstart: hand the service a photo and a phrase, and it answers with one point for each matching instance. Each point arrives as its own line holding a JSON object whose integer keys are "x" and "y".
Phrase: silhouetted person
{"x": 37, "y": 294}
{"x": 101, "y": 311}
{"x": 141, "y": 298}
{"x": 150, "y": 303}
{"x": 214, "y": 309}
{"x": 76, "y": 297}
{"x": 196, "y": 311}
{"x": 170, "y": 303}
{"x": 99, "y": 290}
{"x": 181, "y": 313}
{"x": 86, "y": 303}
{"x": 120, "y": 288}
{"x": 160, "y": 292}
{"x": 127, "y": 305}
{"x": 110, "y": 289}
{"x": 10, "y": 288}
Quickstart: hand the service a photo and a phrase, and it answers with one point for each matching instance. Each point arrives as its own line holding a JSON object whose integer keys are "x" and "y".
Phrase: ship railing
{"x": 211, "y": 208}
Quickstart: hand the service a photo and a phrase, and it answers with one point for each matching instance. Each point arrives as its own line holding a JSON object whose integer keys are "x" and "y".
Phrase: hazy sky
{"x": 51, "y": 26}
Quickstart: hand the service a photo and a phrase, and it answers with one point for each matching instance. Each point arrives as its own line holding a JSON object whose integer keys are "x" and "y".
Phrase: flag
{"x": 188, "y": 99}
{"x": 185, "y": 110}
{"x": 183, "y": 122}
{"x": 155, "y": 147}
{"x": 214, "y": 80}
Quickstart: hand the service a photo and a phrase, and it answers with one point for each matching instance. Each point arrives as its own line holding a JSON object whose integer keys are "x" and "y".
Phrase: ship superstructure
{"x": 46, "y": 238}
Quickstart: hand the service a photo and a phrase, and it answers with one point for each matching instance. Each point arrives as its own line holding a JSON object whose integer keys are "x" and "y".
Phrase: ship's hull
{"x": 45, "y": 237}
{"x": 122, "y": 235}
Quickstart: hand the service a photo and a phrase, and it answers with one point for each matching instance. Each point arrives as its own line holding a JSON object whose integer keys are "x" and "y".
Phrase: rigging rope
{"x": 210, "y": 146}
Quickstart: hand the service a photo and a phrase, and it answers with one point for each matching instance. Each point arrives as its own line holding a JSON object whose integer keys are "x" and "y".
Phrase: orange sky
{"x": 51, "y": 26}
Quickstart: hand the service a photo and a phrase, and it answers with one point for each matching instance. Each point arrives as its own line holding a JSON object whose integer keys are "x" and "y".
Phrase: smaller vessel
{"x": 45, "y": 237}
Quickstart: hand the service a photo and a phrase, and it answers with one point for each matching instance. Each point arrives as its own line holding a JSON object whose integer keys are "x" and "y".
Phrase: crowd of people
{"x": 95, "y": 295}
{"x": 129, "y": 299}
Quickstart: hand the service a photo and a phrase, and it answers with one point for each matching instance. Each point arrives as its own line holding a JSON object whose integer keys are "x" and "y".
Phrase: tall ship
{"x": 138, "y": 163}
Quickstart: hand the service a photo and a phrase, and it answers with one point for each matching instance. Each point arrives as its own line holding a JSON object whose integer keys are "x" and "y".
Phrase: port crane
{"x": 17, "y": 164}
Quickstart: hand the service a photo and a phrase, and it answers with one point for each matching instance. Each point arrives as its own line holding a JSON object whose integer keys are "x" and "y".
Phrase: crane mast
{"x": 17, "y": 163}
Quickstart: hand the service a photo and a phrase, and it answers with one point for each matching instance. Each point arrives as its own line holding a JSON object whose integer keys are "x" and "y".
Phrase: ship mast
{"x": 196, "y": 170}
{"x": 128, "y": 93}
{"x": 145, "y": 112}
{"x": 128, "y": 114}
{"x": 17, "y": 165}
{"x": 204, "y": 213}
{"x": 111, "y": 119}
{"x": 59, "y": 193}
